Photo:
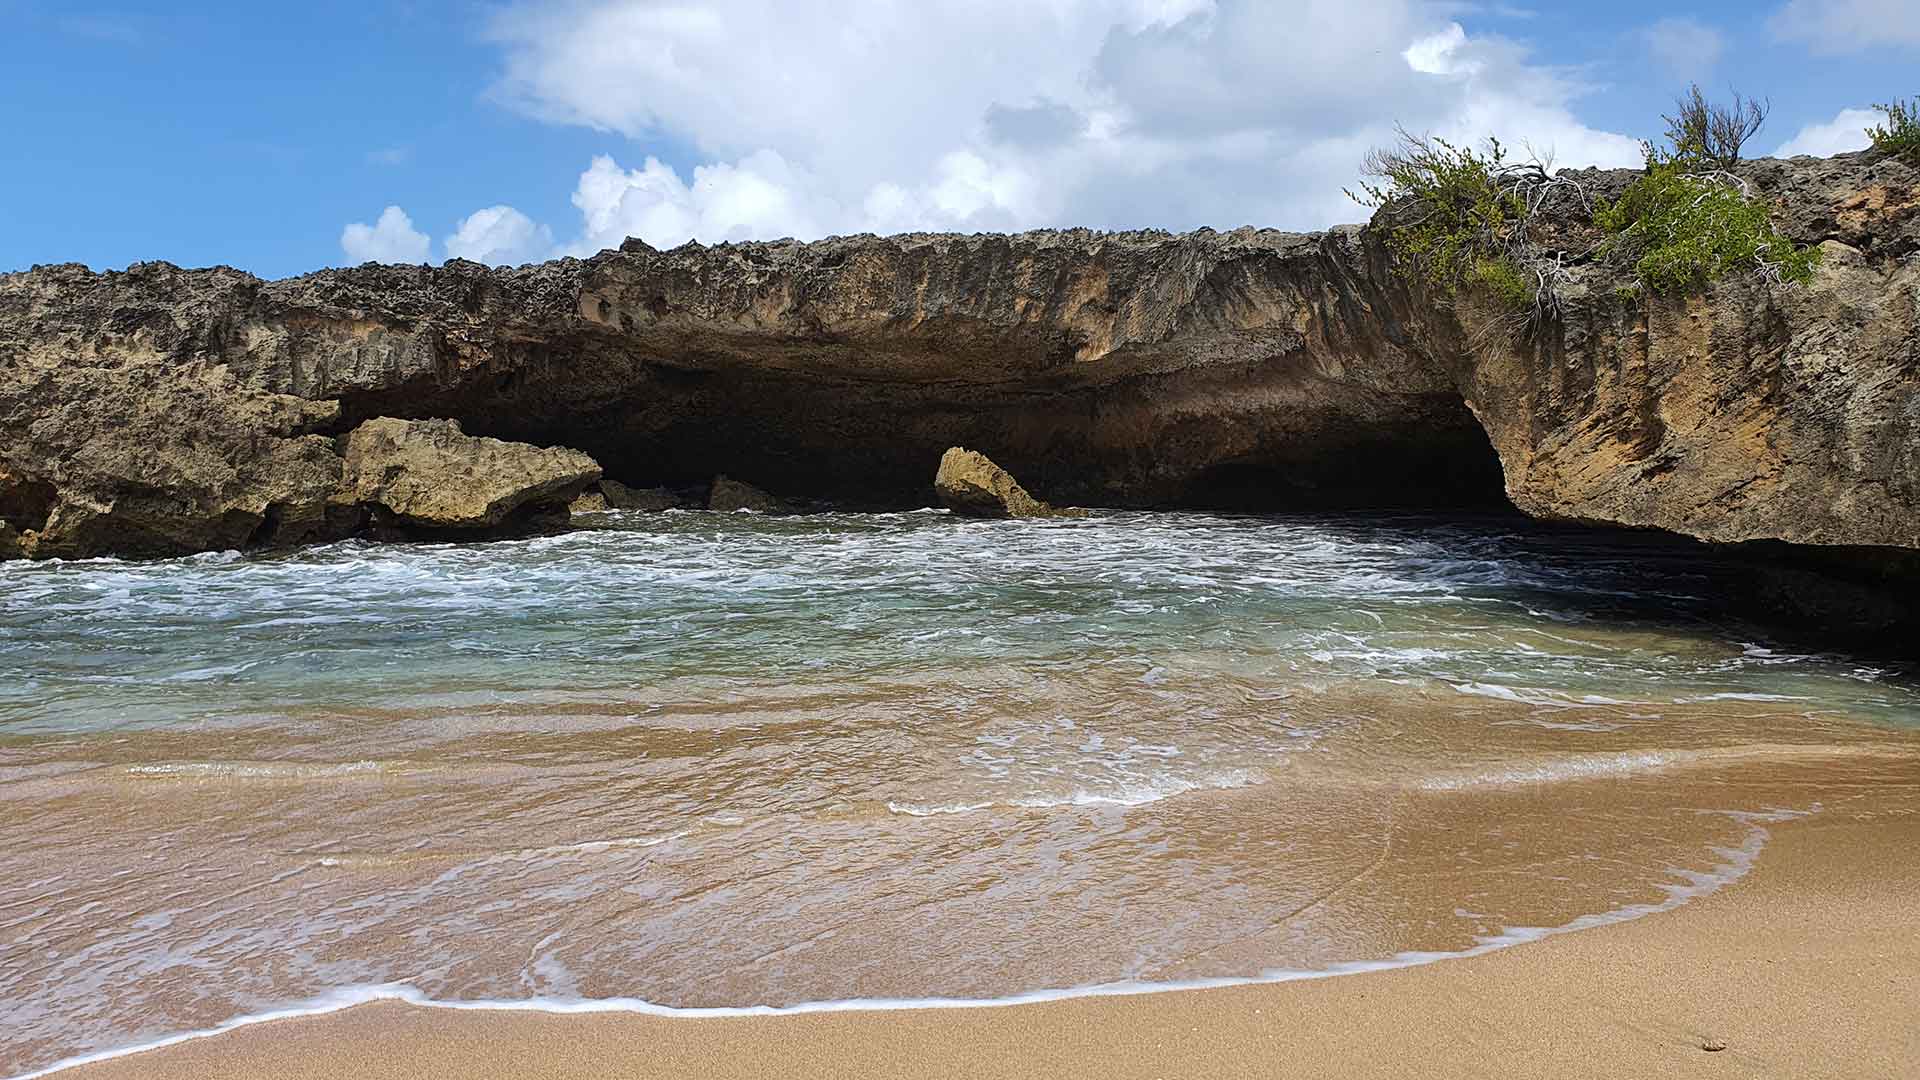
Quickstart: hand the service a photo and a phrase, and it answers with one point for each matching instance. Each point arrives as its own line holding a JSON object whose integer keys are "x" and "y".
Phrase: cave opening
{"x": 869, "y": 446}
{"x": 26, "y": 504}
{"x": 1238, "y": 441}
{"x": 1453, "y": 470}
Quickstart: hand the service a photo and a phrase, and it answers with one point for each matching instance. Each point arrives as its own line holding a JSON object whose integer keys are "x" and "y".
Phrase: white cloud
{"x": 500, "y": 235}
{"x": 1846, "y": 131}
{"x": 392, "y": 239}
{"x": 759, "y": 197}
{"x": 1436, "y": 54}
{"x": 1843, "y": 26}
{"x": 1489, "y": 86}
{"x": 1686, "y": 48}
{"x": 1006, "y": 114}
{"x": 879, "y": 86}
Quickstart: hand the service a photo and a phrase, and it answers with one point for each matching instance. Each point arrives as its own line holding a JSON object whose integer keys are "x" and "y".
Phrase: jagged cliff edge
{"x": 161, "y": 410}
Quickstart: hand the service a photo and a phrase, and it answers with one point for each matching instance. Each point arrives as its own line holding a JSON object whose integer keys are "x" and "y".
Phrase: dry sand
{"x": 1808, "y": 967}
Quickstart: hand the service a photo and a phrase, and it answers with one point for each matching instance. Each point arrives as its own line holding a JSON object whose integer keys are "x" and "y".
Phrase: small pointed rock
{"x": 969, "y": 483}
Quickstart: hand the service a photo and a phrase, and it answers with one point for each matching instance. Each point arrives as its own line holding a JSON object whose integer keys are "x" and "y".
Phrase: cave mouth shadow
{"x": 1458, "y": 474}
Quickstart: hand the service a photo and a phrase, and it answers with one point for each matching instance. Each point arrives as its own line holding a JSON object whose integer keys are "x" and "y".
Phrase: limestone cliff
{"x": 1749, "y": 413}
{"x": 161, "y": 409}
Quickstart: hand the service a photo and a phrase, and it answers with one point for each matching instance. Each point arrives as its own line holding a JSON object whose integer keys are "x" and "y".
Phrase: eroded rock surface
{"x": 969, "y": 483}
{"x": 619, "y": 496}
{"x": 159, "y": 409}
{"x": 728, "y": 495}
{"x": 428, "y": 476}
{"x": 1751, "y": 413}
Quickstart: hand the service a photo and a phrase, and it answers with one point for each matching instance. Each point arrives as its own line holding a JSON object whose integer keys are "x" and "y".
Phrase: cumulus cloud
{"x": 392, "y": 239}
{"x": 1846, "y": 131}
{"x": 1006, "y": 114}
{"x": 1844, "y": 26}
{"x": 759, "y": 197}
{"x": 1686, "y": 48}
{"x": 500, "y": 235}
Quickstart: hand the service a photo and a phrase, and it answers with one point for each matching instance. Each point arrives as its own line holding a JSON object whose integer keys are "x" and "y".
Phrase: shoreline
{"x": 1821, "y": 936}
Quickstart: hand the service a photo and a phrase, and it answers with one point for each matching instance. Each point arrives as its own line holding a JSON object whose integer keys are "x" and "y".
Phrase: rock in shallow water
{"x": 729, "y": 495}
{"x": 619, "y": 496}
{"x": 969, "y": 483}
{"x": 588, "y": 502}
{"x": 614, "y": 495}
{"x": 429, "y": 476}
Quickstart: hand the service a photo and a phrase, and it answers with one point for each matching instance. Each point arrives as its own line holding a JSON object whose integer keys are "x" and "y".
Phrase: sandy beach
{"x": 1108, "y": 539}
{"x": 1807, "y": 967}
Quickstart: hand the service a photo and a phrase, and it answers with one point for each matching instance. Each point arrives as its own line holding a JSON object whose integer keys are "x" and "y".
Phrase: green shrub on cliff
{"x": 1454, "y": 220}
{"x": 1900, "y": 134}
{"x": 1687, "y": 220}
{"x": 1710, "y": 134}
{"x": 1503, "y": 279}
{"x": 1466, "y": 219}
{"x": 1680, "y": 228}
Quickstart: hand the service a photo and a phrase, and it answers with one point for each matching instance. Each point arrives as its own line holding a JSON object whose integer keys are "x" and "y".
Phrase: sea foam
{"x": 1736, "y": 862}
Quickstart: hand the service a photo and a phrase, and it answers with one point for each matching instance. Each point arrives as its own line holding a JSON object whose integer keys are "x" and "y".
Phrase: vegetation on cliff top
{"x": 1465, "y": 217}
{"x": 1899, "y": 134}
{"x": 1471, "y": 219}
{"x": 1707, "y": 135}
{"x": 1679, "y": 229}
{"x": 1687, "y": 220}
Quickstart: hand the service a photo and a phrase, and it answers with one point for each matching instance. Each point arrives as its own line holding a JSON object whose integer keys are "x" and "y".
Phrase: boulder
{"x": 621, "y": 497}
{"x": 428, "y": 476}
{"x": 971, "y": 484}
{"x": 729, "y": 495}
{"x": 590, "y": 501}
{"x": 104, "y": 456}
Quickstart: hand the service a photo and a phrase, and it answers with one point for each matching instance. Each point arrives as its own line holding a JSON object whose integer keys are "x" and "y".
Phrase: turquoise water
{"x": 1485, "y": 606}
{"x": 694, "y": 760}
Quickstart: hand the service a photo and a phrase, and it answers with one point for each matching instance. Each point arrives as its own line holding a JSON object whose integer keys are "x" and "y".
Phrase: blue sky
{"x": 255, "y": 135}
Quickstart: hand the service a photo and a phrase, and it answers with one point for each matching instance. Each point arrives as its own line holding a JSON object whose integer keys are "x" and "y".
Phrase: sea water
{"x": 691, "y": 761}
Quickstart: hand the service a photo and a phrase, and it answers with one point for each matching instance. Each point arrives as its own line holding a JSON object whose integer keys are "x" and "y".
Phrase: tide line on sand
{"x": 1688, "y": 886}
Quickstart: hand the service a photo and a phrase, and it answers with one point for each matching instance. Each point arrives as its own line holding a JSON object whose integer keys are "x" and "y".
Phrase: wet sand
{"x": 1807, "y": 967}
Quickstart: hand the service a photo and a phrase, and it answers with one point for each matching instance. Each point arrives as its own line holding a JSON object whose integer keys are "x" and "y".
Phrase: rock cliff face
{"x": 1751, "y": 413}
{"x": 161, "y": 409}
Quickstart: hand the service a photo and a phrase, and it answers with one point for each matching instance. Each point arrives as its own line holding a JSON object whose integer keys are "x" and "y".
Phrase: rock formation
{"x": 610, "y": 494}
{"x": 429, "y": 477}
{"x": 619, "y": 496}
{"x": 969, "y": 483}
{"x": 1751, "y": 413}
{"x": 160, "y": 410}
{"x": 729, "y": 495}
{"x": 103, "y": 453}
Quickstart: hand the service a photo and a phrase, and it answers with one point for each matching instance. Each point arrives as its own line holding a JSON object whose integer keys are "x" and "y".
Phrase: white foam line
{"x": 1739, "y": 861}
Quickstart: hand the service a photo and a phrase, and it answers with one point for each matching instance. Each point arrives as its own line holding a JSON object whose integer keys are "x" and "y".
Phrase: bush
{"x": 1900, "y": 135}
{"x": 1456, "y": 222}
{"x": 1681, "y": 230}
{"x": 1707, "y": 134}
{"x": 1503, "y": 279}
{"x": 1461, "y": 217}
